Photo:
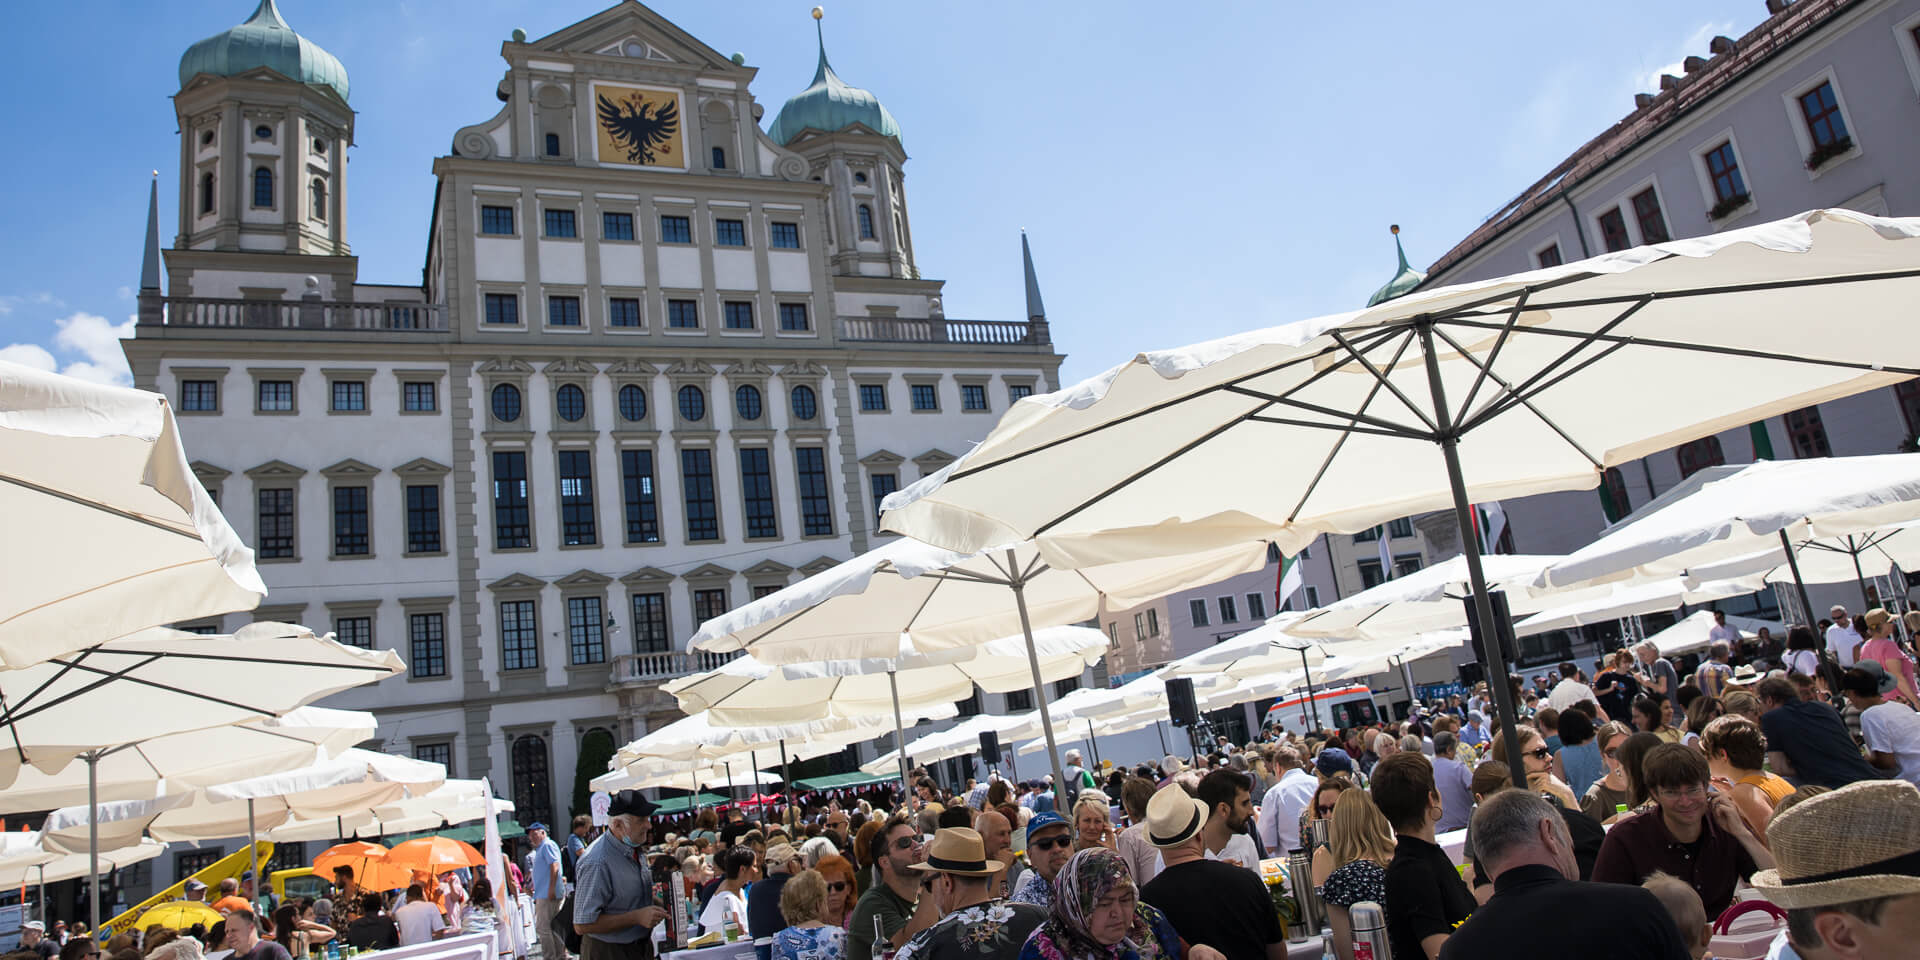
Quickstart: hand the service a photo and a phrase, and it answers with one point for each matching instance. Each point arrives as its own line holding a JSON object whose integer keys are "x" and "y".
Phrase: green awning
{"x": 473, "y": 833}
{"x": 841, "y": 780}
{"x": 680, "y": 804}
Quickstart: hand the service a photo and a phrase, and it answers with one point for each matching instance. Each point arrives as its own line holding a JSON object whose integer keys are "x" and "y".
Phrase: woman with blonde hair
{"x": 1359, "y": 848}
{"x": 1092, "y": 822}
{"x": 810, "y": 933}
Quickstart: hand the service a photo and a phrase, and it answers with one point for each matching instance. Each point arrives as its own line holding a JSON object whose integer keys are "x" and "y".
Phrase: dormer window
{"x": 553, "y": 144}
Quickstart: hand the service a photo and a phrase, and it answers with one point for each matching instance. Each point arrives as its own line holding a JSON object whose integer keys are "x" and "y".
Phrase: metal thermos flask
{"x": 1300, "y": 883}
{"x": 1369, "y": 924}
{"x": 1319, "y": 834}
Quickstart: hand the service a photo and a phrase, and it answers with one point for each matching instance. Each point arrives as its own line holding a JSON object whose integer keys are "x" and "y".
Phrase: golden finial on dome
{"x": 819, "y": 12}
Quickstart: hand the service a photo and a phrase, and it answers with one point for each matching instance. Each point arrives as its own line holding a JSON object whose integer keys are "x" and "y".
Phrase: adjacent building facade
{"x": 659, "y": 362}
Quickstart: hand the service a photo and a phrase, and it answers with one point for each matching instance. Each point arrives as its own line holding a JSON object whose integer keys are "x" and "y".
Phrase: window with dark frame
{"x": 1907, "y": 392}
{"x": 570, "y": 402}
{"x": 1401, "y": 527}
{"x": 805, "y": 404}
{"x": 1019, "y": 391}
{"x": 1370, "y": 575}
{"x": 512, "y": 522}
{"x": 419, "y": 396}
{"x": 623, "y": 311}
{"x": 1229, "y": 610}
{"x": 496, "y": 221}
{"x": 553, "y": 144}
{"x": 350, "y": 522}
{"x": 505, "y": 400}
{"x": 1549, "y": 257}
{"x": 275, "y": 396}
{"x": 262, "y": 187}
{"x": 746, "y": 402}
{"x": 973, "y": 396}
{"x": 709, "y": 603}
{"x": 784, "y": 236}
{"x": 756, "y": 493}
{"x": 440, "y": 753}
{"x": 1821, "y": 108}
{"x": 873, "y": 396}
{"x": 729, "y": 233}
{"x": 693, "y": 403}
{"x": 503, "y": 308}
{"x": 586, "y": 631}
{"x": 563, "y": 311}
{"x": 816, "y": 506}
{"x": 273, "y": 524}
{"x": 793, "y": 318}
{"x": 683, "y": 314}
{"x": 206, "y": 193}
{"x": 970, "y": 706}
{"x": 642, "y": 510}
{"x": 632, "y": 400}
{"x": 1256, "y": 606}
{"x": 423, "y": 518}
{"x": 1404, "y": 564}
{"x": 317, "y": 199}
{"x": 616, "y": 226}
{"x": 1019, "y": 701}
{"x": 865, "y": 215}
{"x": 1699, "y": 455}
{"x": 1613, "y": 230}
{"x": 696, "y": 484}
{"x": 1613, "y": 495}
{"x": 1723, "y": 169}
{"x": 560, "y": 224}
{"x": 427, "y": 644}
{"x": 532, "y": 786}
{"x": 737, "y": 314}
{"x": 576, "y": 498}
{"x": 1065, "y": 685}
{"x": 1646, "y": 212}
{"x": 519, "y": 635}
{"x": 200, "y": 396}
{"x": 1153, "y": 623}
{"x": 1808, "y": 433}
{"x": 1198, "y": 612}
{"x": 650, "y": 633}
{"x": 881, "y": 485}
{"x": 354, "y": 631}
{"x": 350, "y": 396}
{"x": 675, "y": 229}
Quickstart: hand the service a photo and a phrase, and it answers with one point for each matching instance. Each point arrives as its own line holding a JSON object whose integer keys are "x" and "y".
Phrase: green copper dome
{"x": 264, "y": 40}
{"x": 830, "y": 104}
{"x": 1403, "y": 281}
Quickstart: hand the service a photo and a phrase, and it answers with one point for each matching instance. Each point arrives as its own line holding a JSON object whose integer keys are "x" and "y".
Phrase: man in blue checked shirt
{"x": 543, "y": 873}
{"x": 613, "y": 908}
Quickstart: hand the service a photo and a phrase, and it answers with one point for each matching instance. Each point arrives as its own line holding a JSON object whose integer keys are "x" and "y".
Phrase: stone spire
{"x": 150, "y": 259}
{"x": 1036, "y": 310}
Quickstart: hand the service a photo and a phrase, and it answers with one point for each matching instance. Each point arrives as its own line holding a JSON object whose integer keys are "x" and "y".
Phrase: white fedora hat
{"x": 1174, "y": 816}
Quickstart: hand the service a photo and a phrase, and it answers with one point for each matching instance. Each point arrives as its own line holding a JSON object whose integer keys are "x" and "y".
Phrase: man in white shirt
{"x": 1841, "y": 639}
{"x": 419, "y": 921}
{"x": 1891, "y": 730}
{"x": 1280, "y": 809}
{"x": 1721, "y": 633}
{"x": 1228, "y": 795}
{"x": 1570, "y": 691}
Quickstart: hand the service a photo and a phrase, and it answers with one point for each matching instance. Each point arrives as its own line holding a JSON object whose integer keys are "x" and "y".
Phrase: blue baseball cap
{"x": 1041, "y": 821}
{"x": 1333, "y": 760}
{"x": 536, "y": 825}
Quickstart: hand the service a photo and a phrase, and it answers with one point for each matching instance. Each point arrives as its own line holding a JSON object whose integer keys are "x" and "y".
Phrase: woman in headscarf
{"x": 1097, "y": 915}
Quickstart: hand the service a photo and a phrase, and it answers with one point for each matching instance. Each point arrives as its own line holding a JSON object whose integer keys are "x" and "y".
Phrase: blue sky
{"x": 1184, "y": 172}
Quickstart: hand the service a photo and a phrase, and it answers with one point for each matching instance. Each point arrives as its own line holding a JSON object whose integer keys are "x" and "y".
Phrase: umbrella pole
{"x": 1019, "y": 586}
{"x": 1092, "y": 743}
{"x": 1313, "y": 709}
{"x": 93, "y": 844}
{"x": 899, "y": 735}
{"x": 1162, "y": 734}
{"x": 253, "y": 852}
{"x": 1853, "y": 550}
{"x": 43, "y": 894}
{"x": 1496, "y": 665}
{"x": 1799, "y": 586}
{"x": 786, "y": 772}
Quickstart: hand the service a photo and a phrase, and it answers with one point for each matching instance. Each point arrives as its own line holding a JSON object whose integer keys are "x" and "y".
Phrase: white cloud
{"x": 96, "y": 341}
{"x": 29, "y": 355}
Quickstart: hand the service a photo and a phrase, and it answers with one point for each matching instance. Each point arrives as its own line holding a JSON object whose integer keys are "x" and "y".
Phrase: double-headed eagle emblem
{"x": 639, "y": 127}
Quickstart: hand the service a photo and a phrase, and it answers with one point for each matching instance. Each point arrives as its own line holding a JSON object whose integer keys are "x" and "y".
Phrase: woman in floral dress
{"x": 809, "y": 934}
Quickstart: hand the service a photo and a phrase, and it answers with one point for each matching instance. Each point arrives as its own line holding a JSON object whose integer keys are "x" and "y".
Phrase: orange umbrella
{"x": 434, "y": 855}
{"x": 371, "y": 870}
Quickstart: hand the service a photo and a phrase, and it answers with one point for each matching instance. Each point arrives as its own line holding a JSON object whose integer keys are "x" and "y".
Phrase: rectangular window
{"x": 786, "y": 236}
{"x": 1140, "y": 625}
{"x": 1613, "y": 230}
{"x": 882, "y": 485}
{"x": 766, "y": 589}
{"x": 274, "y": 524}
{"x": 729, "y": 233}
{"x": 1197, "y": 608}
{"x": 1724, "y": 169}
{"x": 560, "y": 224}
{"x": 1809, "y": 433}
{"x": 1256, "y": 606}
{"x": 1065, "y": 686}
{"x": 420, "y": 397}
{"x": 675, "y": 229}
{"x": 1646, "y": 212}
{"x": 873, "y": 396}
{"x": 756, "y": 492}
{"x": 1402, "y": 527}
{"x": 586, "y": 632}
{"x": 636, "y": 481}
{"x": 519, "y": 636}
{"x": 737, "y": 314}
{"x": 1153, "y": 623}
{"x": 201, "y": 395}
{"x": 1406, "y": 564}
{"x": 1229, "y": 610}
{"x": 1824, "y": 123}
{"x": 650, "y": 623}
{"x": 1907, "y": 392}
{"x": 1550, "y": 257}
{"x": 684, "y": 314}
{"x": 563, "y": 311}
{"x": 616, "y": 226}
{"x": 354, "y": 631}
{"x": 1019, "y": 391}
{"x": 696, "y": 483}
{"x": 816, "y": 509}
{"x": 1313, "y": 596}
{"x": 423, "y": 518}
{"x": 497, "y": 221}
{"x": 427, "y": 642}
{"x": 576, "y": 498}
{"x": 623, "y": 311}
{"x": 350, "y": 522}
{"x": 970, "y": 707}
{"x": 973, "y": 396}
{"x": 1368, "y": 535}
{"x": 503, "y": 308}
{"x": 1370, "y": 575}
{"x": 793, "y": 317}
{"x": 276, "y": 396}
{"x": 349, "y": 395}
{"x": 1019, "y": 701}
{"x": 924, "y": 396}
{"x": 1699, "y": 455}
{"x": 511, "y": 520}
{"x": 708, "y": 604}
{"x": 440, "y": 753}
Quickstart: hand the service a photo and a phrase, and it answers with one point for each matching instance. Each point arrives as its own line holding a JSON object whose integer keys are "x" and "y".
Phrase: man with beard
{"x": 1228, "y": 795}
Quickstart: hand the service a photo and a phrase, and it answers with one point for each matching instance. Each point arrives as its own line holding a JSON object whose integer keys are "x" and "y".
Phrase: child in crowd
{"x": 1684, "y": 905}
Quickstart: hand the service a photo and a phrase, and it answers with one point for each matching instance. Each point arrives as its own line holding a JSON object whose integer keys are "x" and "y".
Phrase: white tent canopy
{"x": 1614, "y": 601}
{"x": 1690, "y": 634}
{"x": 959, "y": 740}
{"x": 1431, "y": 598}
{"x": 1270, "y": 646}
{"x": 455, "y": 801}
{"x": 122, "y": 823}
{"x": 108, "y": 530}
{"x": 348, "y": 784}
{"x": 698, "y": 738}
{"x": 53, "y": 869}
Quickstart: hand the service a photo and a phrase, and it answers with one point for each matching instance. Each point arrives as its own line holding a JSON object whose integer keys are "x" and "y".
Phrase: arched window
{"x": 553, "y": 144}
{"x": 263, "y": 187}
{"x": 746, "y": 400}
{"x": 719, "y": 158}
{"x": 570, "y": 402}
{"x": 805, "y": 405}
{"x": 693, "y": 403}
{"x": 633, "y": 403}
{"x": 866, "y": 222}
{"x": 206, "y": 192}
{"x": 317, "y": 191}
{"x": 506, "y": 403}
{"x": 532, "y": 790}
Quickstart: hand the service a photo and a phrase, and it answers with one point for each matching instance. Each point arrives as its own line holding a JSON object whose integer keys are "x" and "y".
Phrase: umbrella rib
{"x": 103, "y": 508}
{"x": 1180, "y": 451}
{"x": 1524, "y": 401}
{"x": 1513, "y": 320}
{"x": 1499, "y": 404}
{"x": 1699, "y": 348}
{"x": 1361, "y": 359}
{"x": 122, "y": 676}
{"x": 1370, "y": 431}
{"x": 67, "y": 667}
{"x": 1755, "y": 287}
{"x": 1327, "y": 462}
{"x": 1397, "y": 428}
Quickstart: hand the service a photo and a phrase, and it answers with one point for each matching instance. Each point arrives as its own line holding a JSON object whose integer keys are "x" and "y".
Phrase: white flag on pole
{"x": 508, "y": 936}
{"x": 1386, "y": 553}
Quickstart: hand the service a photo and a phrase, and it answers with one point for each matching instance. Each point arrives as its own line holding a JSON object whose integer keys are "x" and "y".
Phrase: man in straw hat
{"x": 1209, "y": 902}
{"x": 1849, "y": 873}
{"x": 975, "y": 924}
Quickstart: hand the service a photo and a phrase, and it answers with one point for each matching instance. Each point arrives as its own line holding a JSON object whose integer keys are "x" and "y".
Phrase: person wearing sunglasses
{"x": 838, "y": 871}
{"x": 1049, "y": 847}
{"x": 1538, "y": 765}
{"x": 1691, "y": 831}
{"x": 892, "y": 910}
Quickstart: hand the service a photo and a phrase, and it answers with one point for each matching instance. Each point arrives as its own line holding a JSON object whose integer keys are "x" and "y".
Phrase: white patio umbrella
{"x": 1691, "y": 632}
{"x": 728, "y": 773}
{"x": 1431, "y": 598}
{"x": 1438, "y": 399}
{"x": 109, "y": 531}
{"x": 941, "y": 599}
{"x": 455, "y": 801}
{"x": 45, "y": 867}
{"x": 1632, "y": 599}
{"x": 959, "y": 740}
{"x": 696, "y": 740}
{"x": 113, "y": 824}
